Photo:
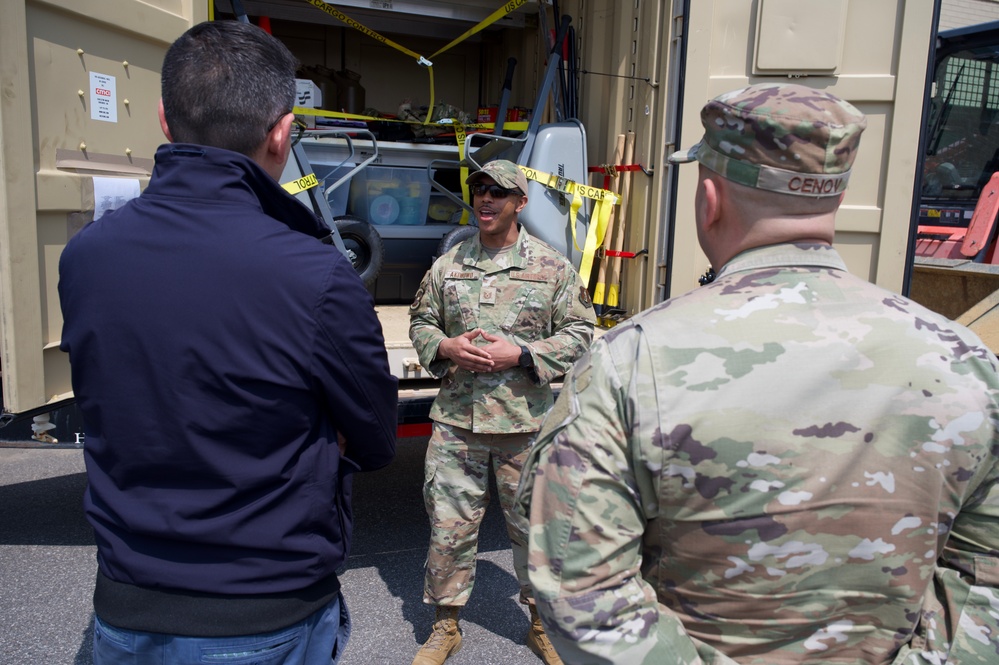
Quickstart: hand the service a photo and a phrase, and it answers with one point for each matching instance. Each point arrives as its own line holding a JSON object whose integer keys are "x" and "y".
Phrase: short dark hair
{"x": 224, "y": 83}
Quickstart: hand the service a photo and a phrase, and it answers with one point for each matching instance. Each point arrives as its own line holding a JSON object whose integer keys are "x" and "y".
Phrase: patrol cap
{"x": 505, "y": 173}
{"x": 785, "y": 138}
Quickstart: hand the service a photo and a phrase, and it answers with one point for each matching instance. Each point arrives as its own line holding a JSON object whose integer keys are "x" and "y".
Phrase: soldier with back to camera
{"x": 788, "y": 465}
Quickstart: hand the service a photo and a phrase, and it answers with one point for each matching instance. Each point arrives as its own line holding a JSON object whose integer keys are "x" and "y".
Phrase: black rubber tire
{"x": 455, "y": 237}
{"x": 364, "y": 247}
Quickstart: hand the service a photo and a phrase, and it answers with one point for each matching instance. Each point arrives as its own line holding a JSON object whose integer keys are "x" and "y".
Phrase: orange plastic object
{"x": 983, "y": 219}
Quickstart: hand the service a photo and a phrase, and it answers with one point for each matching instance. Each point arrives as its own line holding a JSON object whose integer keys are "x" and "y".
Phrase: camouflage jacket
{"x": 533, "y": 297}
{"x": 789, "y": 465}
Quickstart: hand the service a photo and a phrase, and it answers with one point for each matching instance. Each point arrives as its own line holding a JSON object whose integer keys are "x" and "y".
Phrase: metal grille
{"x": 968, "y": 83}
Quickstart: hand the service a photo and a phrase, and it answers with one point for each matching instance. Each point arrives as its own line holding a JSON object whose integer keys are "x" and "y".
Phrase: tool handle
{"x": 237, "y": 9}
{"x": 511, "y": 63}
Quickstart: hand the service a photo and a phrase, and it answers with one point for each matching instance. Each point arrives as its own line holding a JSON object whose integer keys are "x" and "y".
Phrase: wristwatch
{"x": 525, "y": 358}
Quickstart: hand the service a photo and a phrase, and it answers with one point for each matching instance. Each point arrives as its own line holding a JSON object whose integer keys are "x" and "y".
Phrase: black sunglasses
{"x": 495, "y": 191}
{"x": 297, "y": 127}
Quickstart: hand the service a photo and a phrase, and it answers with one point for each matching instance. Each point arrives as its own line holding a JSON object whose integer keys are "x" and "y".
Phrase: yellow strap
{"x": 302, "y": 184}
{"x": 605, "y": 200}
{"x": 502, "y": 12}
{"x": 459, "y": 135}
{"x": 430, "y": 109}
{"x": 595, "y": 236}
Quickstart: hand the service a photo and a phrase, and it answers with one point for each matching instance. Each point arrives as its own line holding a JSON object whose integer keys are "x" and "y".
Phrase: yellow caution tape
{"x": 502, "y": 12}
{"x": 508, "y": 7}
{"x": 603, "y": 207}
{"x": 301, "y": 184}
{"x": 420, "y": 60}
{"x": 305, "y": 110}
{"x": 340, "y": 16}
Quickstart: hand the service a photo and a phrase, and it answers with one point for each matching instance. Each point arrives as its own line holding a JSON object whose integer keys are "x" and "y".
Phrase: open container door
{"x": 956, "y": 264}
{"x": 873, "y": 54}
{"x": 78, "y": 126}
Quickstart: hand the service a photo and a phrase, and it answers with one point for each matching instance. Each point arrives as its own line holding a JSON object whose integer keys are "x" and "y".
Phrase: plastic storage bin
{"x": 390, "y": 195}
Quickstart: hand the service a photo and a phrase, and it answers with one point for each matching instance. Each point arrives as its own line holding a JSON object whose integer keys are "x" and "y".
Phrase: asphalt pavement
{"x": 47, "y": 565}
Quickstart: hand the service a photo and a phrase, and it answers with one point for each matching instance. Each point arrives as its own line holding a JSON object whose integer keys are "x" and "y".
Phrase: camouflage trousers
{"x": 456, "y": 493}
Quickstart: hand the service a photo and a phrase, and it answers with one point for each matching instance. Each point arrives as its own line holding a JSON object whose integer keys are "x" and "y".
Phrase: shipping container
{"x": 80, "y": 88}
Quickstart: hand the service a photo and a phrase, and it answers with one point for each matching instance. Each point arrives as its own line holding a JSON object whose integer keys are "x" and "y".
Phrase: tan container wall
{"x": 880, "y": 68}
{"x": 51, "y": 149}
{"x": 621, "y": 60}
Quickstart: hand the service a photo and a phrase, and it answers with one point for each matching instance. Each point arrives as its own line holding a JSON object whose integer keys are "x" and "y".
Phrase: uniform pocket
{"x": 459, "y": 304}
{"x": 521, "y": 319}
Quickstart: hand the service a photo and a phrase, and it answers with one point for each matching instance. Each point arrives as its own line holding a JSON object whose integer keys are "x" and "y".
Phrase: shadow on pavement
{"x": 391, "y": 535}
{"x": 85, "y": 656}
{"x": 46, "y": 512}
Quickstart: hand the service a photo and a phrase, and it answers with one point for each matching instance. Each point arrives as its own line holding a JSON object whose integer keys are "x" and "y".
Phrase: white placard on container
{"x": 103, "y": 98}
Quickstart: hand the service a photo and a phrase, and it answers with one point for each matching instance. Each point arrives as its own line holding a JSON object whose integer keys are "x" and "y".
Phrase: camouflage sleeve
{"x": 586, "y": 528}
{"x": 959, "y": 624}
{"x": 572, "y": 330}
{"x": 426, "y": 322}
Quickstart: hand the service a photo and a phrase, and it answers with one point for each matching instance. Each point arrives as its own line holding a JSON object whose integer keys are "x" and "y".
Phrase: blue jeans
{"x": 320, "y": 639}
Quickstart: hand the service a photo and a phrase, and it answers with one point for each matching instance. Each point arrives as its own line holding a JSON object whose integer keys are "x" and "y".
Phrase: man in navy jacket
{"x": 231, "y": 374}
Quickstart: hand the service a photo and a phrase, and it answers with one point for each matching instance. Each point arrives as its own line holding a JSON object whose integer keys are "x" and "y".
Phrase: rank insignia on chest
{"x": 487, "y": 296}
{"x": 584, "y": 297}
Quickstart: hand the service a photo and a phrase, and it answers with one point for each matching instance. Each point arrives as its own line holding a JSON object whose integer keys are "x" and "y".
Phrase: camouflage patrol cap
{"x": 505, "y": 173}
{"x": 783, "y": 138}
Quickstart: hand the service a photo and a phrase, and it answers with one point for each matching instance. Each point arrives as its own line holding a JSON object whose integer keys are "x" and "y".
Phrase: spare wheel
{"x": 364, "y": 246}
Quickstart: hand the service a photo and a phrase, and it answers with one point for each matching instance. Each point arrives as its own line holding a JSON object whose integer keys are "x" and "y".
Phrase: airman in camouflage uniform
{"x": 788, "y": 465}
{"x": 497, "y": 318}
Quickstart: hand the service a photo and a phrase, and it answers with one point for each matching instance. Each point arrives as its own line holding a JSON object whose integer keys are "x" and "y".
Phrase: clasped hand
{"x": 496, "y": 355}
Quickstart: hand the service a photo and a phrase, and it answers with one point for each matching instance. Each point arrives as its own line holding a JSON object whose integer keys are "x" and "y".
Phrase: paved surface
{"x": 47, "y": 564}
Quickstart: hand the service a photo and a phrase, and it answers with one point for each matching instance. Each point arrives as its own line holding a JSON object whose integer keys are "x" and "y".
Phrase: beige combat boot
{"x": 538, "y": 642}
{"x": 445, "y": 640}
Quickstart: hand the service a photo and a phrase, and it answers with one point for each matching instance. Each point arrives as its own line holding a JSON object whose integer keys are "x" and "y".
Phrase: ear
{"x": 163, "y": 122}
{"x": 710, "y": 202}
{"x": 521, "y": 204}
{"x": 273, "y": 152}
{"x": 277, "y": 145}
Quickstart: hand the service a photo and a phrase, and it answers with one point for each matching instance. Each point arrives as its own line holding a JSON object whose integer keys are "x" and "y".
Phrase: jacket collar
{"x": 190, "y": 171}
